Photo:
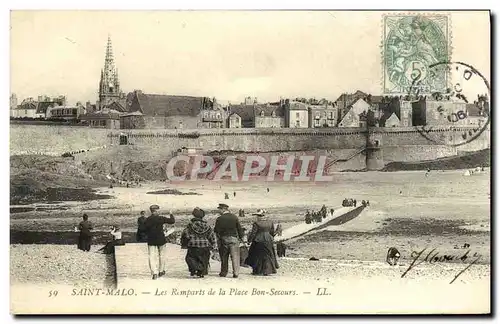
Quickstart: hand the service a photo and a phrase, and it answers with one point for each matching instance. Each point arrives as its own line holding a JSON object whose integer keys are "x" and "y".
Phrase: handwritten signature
{"x": 435, "y": 257}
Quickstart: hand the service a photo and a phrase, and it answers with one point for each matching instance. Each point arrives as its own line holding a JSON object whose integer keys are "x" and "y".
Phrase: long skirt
{"x": 198, "y": 260}
{"x": 262, "y": 258}
{"x": 84, "y": 242}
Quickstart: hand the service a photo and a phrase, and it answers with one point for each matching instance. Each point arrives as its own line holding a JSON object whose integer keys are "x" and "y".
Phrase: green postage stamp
{"x": 412, "y": 44}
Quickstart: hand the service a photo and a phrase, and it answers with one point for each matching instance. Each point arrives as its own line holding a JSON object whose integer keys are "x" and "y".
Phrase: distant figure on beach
{"x": 109, "y": 248}
{"x": 199, "y": 239}
{"x": 281, "y": 249}
{"x": 308, "y": 218}
{"x": 261, "y": 255}
{"x": 331, "y": 211}
{"x": 226, "y": 195}
{"x": 85, "y": 239}
{"x": 229, "y": 235}
{"x": 111, "y": 186}
{"x": 241, "y": 213}
{"x": 244, "y": 249}
{"x": 355, "y": 203}
{"x": 157, "y": 241}
{"x": 267, "y": 189}
{"x": 367, "y": 203}
{"x": 279, "y": 230}
{"x": 323, "y": 211}
{"x": 141, "y": 235}
{"x": 363, "y": 203}
{"x": 234, "y": 194}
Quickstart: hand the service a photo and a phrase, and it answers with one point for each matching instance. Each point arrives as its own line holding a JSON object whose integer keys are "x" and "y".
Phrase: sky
{"x": 228, "y": 55}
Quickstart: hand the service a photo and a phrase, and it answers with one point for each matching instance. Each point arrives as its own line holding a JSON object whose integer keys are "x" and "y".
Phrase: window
{"x": 317, "y": 116}
{"x": 25, "y": 111}
{"x": 297, "y": 123}
{"x": 206, "y": 114}
{"x": 274, "y": 114}
{"x": 331, "y": 114}
{"x": 218, "y": 115}
{"x": 297, "y": 115}
{"x": 74, "y": 111}
{"x": 262, "y": 113}
{"x": 316, "y": 122}
{"x": 330, "y": 123}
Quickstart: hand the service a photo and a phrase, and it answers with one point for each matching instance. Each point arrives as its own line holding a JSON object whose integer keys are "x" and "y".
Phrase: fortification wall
{"x": 397, "y": 144}
{"x": 55, "y": 140}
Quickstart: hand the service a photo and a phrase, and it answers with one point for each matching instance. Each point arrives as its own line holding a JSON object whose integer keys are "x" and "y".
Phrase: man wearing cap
{"x": 156, "y": 240}
{"x": 229, "y": 234}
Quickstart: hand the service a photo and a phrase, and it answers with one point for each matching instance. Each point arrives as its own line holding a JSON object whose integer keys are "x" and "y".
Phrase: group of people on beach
{"x": 227, "y": 238}
{"x": 317, "y": 217}
{"x": 350, "y": 202}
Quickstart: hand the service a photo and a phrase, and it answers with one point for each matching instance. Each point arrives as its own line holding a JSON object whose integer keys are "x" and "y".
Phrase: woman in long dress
{"x": 199, "y": 239}
{"x": 85, "y": 239}
{"x": 262, "y": 255}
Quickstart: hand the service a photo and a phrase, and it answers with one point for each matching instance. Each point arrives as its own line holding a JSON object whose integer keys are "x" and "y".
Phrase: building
{"x": 269, "y": 115}
{"x": 104, "y": 118}
{"x": 345, "y": 101}
{"x": 242, "y": 112}
{"x": 406, "y": 114}
{"x": 110, "y": 95}
{"x": 322, "y": 116}
{"x": 165, "y": 111}
{"x": 27, "y": 109}
{"x": 234, "y": 120}
{"x": 65, "y": 112}
{"x": 212, "y": 115}
{"x": 133, "y": 120}
{"x": 296, "y": 114}
{"x": 392, "y": 121}
{"x": 13, "y": 101}
{"x": 352, "y": 117}
{"x": 46, "y": 103}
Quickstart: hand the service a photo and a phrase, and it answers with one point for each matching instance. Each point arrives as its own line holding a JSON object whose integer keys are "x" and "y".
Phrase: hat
{"x": 223, "y": 206}
{"x": 198, "y": 212}
{"x": 260, "y": 212}
{"x": 154, "y": 207}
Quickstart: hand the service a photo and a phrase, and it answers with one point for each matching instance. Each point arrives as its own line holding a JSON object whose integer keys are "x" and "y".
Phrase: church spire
{"x": 109, "y": 87}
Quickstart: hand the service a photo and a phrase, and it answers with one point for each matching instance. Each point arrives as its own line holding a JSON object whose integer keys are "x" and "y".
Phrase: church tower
{"x": 109, "y": 86}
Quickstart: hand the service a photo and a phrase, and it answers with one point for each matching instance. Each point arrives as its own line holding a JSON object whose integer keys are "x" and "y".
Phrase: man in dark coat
{"x": 157, "y": 241}
{"x": 141, "y": 235}
{"x": 229, "y": 234}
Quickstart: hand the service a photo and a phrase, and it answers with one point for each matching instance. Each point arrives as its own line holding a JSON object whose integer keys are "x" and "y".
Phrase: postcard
{"x": 250, "y": 162}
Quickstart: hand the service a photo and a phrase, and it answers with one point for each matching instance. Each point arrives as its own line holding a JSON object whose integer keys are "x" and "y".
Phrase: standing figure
{"x": 226, "y": 196}
{"x": 331, "y": 211}
{"x": 157, "y": 241}
{"x": 229, "y": 235}
{"x": 199, "y": 239}
{"x": 261, "y": 255}
{"x": 234, "y": 194}
{"x": 141, "y": 235}
{"x": 308, "y": 217}
{"x": 85, "y": 239}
